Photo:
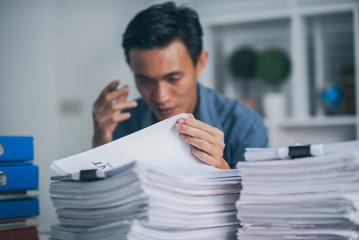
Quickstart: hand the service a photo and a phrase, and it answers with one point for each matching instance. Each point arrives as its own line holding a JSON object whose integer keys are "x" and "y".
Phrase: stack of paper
{"x": 260, "y": 154}
{"x": 302, "y": 198}
{"x": 165, "y": 193}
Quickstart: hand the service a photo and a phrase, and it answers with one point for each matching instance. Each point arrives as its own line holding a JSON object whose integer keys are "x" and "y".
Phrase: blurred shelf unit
{"x": 314, "y": 122}
{"x": 321, "y": 39}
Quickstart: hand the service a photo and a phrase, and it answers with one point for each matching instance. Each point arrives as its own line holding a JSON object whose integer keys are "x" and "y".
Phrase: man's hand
{"x": 207, "y": 142}
{"x": 107, "y": 112}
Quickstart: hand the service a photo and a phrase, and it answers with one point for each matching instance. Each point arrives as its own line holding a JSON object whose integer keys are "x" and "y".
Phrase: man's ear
{"x": 201, "y": 63}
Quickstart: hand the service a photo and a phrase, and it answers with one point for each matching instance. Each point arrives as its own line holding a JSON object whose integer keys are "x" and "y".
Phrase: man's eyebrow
{"x": 142, "y": 76}
{"x": 173, "y": 74}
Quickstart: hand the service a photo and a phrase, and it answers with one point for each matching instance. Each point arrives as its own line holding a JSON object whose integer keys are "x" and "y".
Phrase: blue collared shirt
{"x": 241, "y": 125}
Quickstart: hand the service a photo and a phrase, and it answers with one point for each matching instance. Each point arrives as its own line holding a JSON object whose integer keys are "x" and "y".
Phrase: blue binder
{"x": 28, "y": 207}
{"x": 19, "y": 178}
{"x": 16, "y": 148}
{"x": 14, "y": 163}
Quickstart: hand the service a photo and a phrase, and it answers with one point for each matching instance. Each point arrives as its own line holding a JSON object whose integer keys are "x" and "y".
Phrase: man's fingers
{"x": 191, "y": 121}
{"x": 114, "y": 118}
{"x": 119, "y": 117}
{"x": 198, "y": 143}
{"x": 192, "y": 131}
{"x": 106, "y": 90}
{"x": 111, "y": 87}
{"x": 116, "y": 95}
{"x": 203, "y": 156}
{"x": 119, "y": 106}
{"x": 207, "y": 142}
{"x": 108, "y": 99}
{"x": 116, "y": 107}
{"x": 123, "y": 97}
{"x": 124, "y": 105}
{"x": 212, "y": 149}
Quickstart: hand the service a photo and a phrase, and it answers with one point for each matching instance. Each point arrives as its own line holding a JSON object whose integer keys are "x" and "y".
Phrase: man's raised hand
{"x": 108, "y": 111}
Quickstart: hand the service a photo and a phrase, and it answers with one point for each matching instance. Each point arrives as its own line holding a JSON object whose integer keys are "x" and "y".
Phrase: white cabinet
{"x": 321, "y": 38}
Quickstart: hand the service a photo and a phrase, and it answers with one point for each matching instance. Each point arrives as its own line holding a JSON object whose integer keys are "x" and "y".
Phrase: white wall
{"x": 55, "y": 58}
{"x": 27, "y": 83}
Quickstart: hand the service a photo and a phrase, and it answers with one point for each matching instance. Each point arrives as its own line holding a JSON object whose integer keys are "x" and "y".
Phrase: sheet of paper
{"x": 158, "y": 147}
{"x": 262, "y": 154}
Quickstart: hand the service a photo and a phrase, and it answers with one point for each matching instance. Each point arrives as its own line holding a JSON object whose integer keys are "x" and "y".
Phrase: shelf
{"x": 317, "y": 35}
{"x": 313, "y": 122}
{"x": 237, "y": 12}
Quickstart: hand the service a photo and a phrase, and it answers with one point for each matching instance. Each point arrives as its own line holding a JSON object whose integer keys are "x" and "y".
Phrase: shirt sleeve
{"x": 248, "y": 131}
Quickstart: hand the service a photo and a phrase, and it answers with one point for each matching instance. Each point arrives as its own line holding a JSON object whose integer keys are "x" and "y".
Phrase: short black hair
{"x": 159, "y": 25}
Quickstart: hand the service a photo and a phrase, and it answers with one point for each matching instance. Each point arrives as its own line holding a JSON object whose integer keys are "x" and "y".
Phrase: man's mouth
{"x": 165, "y": 112}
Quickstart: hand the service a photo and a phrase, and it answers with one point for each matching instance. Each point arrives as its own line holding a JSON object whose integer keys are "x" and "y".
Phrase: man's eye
{"x": 173, "y": 79}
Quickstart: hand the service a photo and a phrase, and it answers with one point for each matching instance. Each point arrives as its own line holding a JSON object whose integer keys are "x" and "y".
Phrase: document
{"x": 145, "y": 203}
{"x": 157, "y": 146}
{"x": 262, "y": 154}
{"x": 313, "y": 197}
{"x": 151, "y": 187}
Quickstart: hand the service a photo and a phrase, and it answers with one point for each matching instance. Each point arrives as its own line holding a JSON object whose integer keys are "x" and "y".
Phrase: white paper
{"x": 157, "y": 147}
{"x": 263, "y": 154}
{"x": 303, "y": 198}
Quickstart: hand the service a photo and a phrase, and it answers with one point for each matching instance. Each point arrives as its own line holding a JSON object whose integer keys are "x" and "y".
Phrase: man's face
{"x": 166, "y": 78}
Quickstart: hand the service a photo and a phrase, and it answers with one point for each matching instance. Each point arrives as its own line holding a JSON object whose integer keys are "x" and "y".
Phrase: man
{"x": 163, "y": 47}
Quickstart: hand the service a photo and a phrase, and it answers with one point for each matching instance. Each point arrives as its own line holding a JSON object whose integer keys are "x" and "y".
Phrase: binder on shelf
{"x": 20, "y": 233}
{"x": 19, "y": 208}
{"x": 16, "y": 148}
{"x": 18, "y": 195}
{"x": 19, "y": 178}
{"x": 14, "y": 163}
{"x": 18, "y": 223}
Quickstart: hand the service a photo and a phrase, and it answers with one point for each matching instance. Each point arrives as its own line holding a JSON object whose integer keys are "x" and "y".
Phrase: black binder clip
{"x": 88, "y": 175}
{"x": 299, "y": 151}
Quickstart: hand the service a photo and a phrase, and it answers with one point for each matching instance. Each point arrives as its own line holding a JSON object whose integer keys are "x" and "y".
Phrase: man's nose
{"x": 161, "y": 94}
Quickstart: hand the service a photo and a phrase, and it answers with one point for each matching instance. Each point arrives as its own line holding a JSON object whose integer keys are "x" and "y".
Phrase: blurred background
{"x": 293, "y": 61}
